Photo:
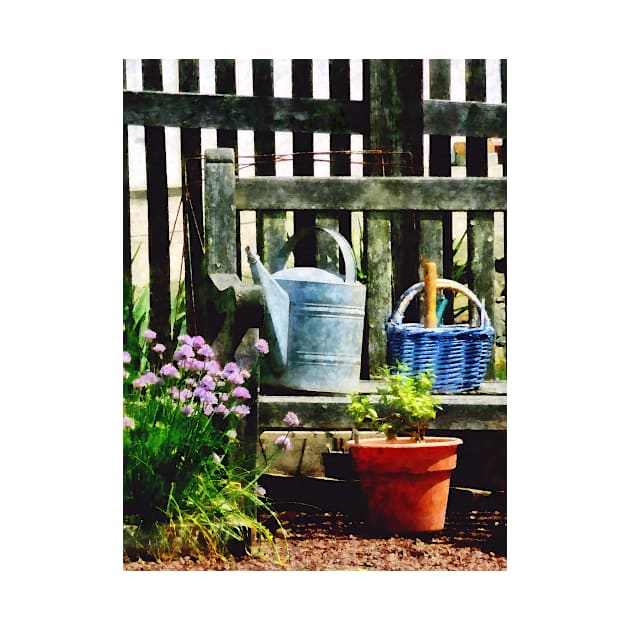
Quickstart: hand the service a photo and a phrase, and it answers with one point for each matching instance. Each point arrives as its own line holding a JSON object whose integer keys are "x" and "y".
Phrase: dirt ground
{"x": 472, "y": 540}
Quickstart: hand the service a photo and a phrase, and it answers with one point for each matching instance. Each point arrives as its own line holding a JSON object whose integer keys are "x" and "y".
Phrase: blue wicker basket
{"x": 456, "y": 355}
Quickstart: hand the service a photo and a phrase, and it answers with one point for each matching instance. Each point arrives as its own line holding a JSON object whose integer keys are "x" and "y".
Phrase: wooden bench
{"x": 236, "y": 306}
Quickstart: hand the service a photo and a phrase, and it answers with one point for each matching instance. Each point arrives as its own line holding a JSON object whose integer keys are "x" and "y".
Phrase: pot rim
{"x": 430, "y": 441}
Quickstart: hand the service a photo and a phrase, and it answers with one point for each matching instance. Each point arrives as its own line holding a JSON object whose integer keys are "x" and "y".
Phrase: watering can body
{"x": 313, "y": 320}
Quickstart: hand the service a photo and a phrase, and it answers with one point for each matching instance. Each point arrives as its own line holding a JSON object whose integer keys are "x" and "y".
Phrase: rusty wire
{"x": 386, "y": 158}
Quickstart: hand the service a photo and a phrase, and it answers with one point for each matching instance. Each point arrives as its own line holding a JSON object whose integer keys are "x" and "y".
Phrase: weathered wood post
{"x": 234, "y": 307}
{"x": 221, "y": 221}
{"x": 394, "y": 90}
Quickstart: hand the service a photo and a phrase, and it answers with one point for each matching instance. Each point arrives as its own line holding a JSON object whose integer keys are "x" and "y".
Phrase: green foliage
{"x": 407, "y": 403}
{"x": 184, "y": 483}
{"x": 135, "y": 320}
{"x": 460, "y": 271}
{"x": 136, "y": 309}
{"x": 178, "y": 312}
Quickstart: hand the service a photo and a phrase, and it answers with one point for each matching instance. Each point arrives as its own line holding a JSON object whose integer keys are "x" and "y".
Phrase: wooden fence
{"x": 405, "y": 214}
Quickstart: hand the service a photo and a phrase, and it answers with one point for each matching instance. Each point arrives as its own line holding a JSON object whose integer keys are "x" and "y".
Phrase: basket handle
{"x": 442, "y": 283}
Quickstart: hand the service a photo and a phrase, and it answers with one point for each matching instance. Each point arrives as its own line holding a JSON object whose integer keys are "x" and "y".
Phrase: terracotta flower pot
{"x": 405, "y": 483}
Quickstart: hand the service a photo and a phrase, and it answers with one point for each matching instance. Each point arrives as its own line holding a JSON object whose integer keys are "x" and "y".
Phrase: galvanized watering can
{"x": 313, "y": 321}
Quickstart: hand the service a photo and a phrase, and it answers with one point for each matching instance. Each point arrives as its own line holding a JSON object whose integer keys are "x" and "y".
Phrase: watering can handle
{"x": 346, "y": 251}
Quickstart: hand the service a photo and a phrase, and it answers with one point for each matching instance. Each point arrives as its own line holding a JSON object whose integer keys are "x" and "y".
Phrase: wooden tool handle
{"x": 430, "y": 294}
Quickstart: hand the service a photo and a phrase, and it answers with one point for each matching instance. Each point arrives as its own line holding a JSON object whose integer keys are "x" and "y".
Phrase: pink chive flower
{"x": 149, "y": 334}
{"x": 188, "y": 364}
{"x": 212, "y": 368}
{"x": 235, "y": 378}
{"x": 208, "y": 409}
{"x": 169, "y": 370}
{"x": 206, "y": 351}
{"x": 183, "y": 352}
{"x": 261, "y": 491}
{"x": 283, "y": 442}
{"x": 220, "y": 408}
{"x": 185, "y": 339}
{"x": 291, "y": 419}
{"x": 146, "y": 379}
{"x": 209, "y": 397}
{"x": 208, "y": 382}
{"x": 185, "y": 394}
{"x": 261, "y": 346}
{"x": 187, "y": 410}
{"x": 231, "y": 434}
{"x": 216, "y": 459}
{"x": 128, "y": 423}
{"x": 241, "y": 392}
{"x": 196, "y": 365}
{"x": 198, "y": 341}
{"x": 175, "y": 393}
{"x": 241, "y": 410}
{"x": 159, "y": 348}
{"x": 231, "y": 367}
{"x": 126, "y": 357}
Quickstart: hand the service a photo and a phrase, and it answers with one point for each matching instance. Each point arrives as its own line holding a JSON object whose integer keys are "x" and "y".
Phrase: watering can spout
{"x": 277, "y": 310}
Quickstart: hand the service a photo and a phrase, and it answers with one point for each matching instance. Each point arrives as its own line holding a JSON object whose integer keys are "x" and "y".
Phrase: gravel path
{"x": 472, "y": 540}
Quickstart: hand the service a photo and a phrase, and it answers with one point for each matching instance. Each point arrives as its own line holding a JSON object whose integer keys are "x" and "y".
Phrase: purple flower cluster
{"x": 200, "y": 384}
{"x": 283, "y": 442}
{"x": 291, "y": 419}
{"x": 241, "y": 392}
{"x": 146, "y": 379}
{"x": 169, "y": 370}
{"x": 261, "y": 346}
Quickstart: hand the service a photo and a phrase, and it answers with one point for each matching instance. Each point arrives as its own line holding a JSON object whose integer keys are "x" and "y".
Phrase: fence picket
{"x": 339, "y": 77}
{"x": 157, "y": 202}
{"x": 504, "y": 163}
{"x": 193, "y": 208}
{"x": 327, "y": 255}
{"x": 480, "y": 224}
{"x": 302, "y": 86}
{"x": 270, "y": 225}
{"x": 126, "y": 199}
{"x": 435, "y": 233}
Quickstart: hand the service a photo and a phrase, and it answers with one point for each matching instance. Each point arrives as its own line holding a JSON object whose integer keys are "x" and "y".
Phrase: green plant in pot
{"x": 405, "y": 476}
